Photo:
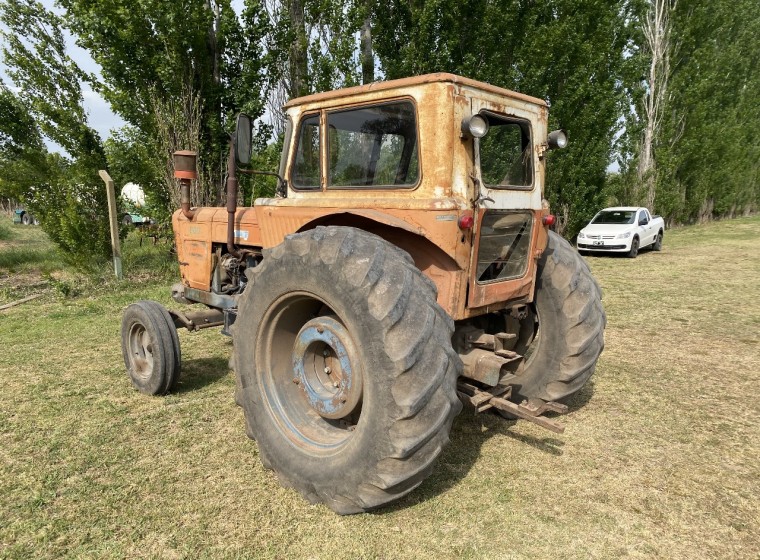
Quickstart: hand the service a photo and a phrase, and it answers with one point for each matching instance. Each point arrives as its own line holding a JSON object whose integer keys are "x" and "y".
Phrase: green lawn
{"x": 659, "y": 459}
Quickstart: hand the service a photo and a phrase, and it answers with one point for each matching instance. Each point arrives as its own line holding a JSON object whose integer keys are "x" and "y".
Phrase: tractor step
{"x": 497, "y": 397}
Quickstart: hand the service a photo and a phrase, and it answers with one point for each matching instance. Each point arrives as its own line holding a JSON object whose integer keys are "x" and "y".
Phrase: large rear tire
{"x": 561, "y": 356}
{"x": 346, "y": 373}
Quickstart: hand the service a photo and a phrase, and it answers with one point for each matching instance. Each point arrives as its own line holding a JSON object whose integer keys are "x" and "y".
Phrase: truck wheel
{"x": 150, "y": 346}
{"x": 347, "y": 376}
{"x": 634, "y": 248}
{"x": 657, "y": 245}
{"x": 568, "y": 336}
{"x": 26, "y": 219}
{"x": 126, "y": 219}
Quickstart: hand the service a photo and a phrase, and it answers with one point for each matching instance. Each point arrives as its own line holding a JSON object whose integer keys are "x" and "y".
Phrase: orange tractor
{"x": 405, "y": 266}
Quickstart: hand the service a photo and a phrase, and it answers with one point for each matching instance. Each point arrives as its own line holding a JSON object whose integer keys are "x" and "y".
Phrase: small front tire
{"x": 634, "y": 251}
{"x": 657, "y": 245}
{"x": 150, "y": 347}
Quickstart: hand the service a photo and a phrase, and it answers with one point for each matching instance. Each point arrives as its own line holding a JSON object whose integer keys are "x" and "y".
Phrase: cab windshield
{"x": 614, "y": 217}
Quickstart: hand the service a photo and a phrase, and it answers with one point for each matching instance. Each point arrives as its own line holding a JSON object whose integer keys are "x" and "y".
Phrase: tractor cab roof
{"x": 402, "y": 83}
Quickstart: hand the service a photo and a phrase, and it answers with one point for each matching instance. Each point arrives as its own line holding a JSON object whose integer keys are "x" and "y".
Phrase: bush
{"x": 73, "y": 212}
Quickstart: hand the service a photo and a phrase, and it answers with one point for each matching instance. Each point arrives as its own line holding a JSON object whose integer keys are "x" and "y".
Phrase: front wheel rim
{"x": 140, "y": 351}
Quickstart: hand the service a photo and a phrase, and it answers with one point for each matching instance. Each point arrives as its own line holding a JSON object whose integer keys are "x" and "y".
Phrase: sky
{"x": 99, "y": 112}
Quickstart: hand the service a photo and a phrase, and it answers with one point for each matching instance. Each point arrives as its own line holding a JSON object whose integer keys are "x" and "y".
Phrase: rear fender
{"x": 427, "y": 256}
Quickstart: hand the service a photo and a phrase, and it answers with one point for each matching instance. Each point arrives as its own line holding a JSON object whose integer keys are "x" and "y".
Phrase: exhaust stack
{"x": 185, "y": 170}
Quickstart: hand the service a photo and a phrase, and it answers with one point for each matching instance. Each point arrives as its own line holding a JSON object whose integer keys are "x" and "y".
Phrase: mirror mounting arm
{"x": 282, "y": 185}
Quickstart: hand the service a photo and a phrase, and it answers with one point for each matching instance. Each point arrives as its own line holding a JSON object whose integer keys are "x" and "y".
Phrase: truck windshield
{"x": 506, "y": 158}
{"x": 614, "y": 217}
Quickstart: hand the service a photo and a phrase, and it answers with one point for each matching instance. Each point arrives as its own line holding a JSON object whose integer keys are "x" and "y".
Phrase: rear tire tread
{"x": 416, "y": 332}
{"x": 577, "y": 331}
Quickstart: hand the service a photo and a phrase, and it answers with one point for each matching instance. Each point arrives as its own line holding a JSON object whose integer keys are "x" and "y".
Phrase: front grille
{"x": 600, "y": 247}
{"x": 504, "y": 245}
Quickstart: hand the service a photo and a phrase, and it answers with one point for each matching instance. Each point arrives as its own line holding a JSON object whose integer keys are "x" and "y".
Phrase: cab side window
{"x": 306, "y": 169}
{"x": 506, "y": 154}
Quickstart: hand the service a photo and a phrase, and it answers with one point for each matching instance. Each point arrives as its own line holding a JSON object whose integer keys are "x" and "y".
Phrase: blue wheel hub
{"x": 326, "y": 367}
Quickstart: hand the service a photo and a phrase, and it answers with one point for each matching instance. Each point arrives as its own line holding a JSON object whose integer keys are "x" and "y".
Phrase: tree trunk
{"x": 213, "y": 43}
{"x": 214, "y": 54}
{"x": 367, "y": 57}
{"x": 657, "y": 34}
{"x": 297, "y": 59}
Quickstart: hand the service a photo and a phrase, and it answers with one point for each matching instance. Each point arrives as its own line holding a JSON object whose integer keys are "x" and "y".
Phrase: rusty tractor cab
{"x": 405, "y": 266}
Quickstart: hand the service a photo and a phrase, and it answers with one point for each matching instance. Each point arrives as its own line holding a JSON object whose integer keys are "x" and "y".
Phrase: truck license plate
{"x": 598, "y": 242}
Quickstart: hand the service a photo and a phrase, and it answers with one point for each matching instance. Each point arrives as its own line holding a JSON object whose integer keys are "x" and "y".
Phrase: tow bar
{"x": 496, "y": 397}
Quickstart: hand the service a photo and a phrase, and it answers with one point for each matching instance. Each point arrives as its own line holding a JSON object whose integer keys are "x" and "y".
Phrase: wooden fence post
{"x": 115, "y": 242}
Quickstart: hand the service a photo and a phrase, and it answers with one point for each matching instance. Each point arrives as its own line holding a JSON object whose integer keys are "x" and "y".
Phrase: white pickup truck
{"x": 624, "y": 229}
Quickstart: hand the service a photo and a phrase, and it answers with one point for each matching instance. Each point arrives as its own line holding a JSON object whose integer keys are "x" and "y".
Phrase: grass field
{"x": 660, "y": 458}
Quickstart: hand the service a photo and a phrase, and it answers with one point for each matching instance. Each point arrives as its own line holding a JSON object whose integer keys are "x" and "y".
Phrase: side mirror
{"x": 243, "y": 133}
{"x": 556, "y": 139}
{"x": 643, "y": 222}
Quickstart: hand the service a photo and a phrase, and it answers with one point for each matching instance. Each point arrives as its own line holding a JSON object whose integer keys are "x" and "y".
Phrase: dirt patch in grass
{"x": 659, "y": 458}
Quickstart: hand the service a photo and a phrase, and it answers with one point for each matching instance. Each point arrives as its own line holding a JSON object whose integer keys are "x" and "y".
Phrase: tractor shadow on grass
{"x": 200, "y": 372}
{"x": 470, "y": 432}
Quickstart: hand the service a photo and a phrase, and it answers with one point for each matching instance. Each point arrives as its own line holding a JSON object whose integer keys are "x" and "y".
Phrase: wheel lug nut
{"x": 328, "y": 370}
{"x": 335, "y": 384}
{"x": 320, "y": 330}
{"x": 325, "y": 353}
{"x": 296, "y": 380}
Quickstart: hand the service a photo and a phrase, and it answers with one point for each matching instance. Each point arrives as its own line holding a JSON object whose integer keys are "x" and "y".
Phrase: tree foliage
{"x": 567, "y": 52}
{"x": 709, "y": 149}
{"x": 671, "y": 95}
{"x": 65, "y": 193}
{"x": 22, "y": 152}
{"x": 164, "y": 63}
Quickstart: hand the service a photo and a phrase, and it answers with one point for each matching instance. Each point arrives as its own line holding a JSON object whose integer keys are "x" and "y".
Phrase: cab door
{"x": 509, "y": 176}
{"x": 646, "y": 228}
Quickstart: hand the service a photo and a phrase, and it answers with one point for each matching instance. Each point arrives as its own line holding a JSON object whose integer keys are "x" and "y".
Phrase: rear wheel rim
{"x": 316, "y": 410}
